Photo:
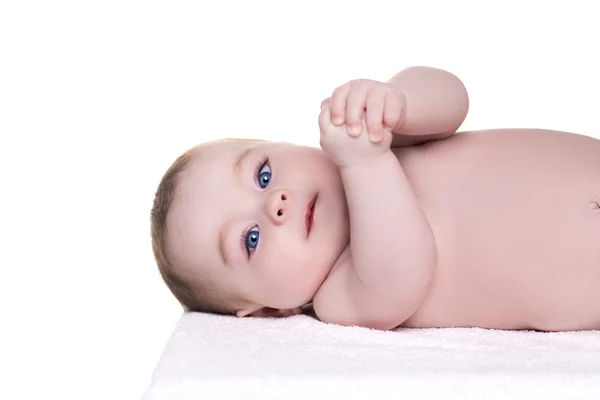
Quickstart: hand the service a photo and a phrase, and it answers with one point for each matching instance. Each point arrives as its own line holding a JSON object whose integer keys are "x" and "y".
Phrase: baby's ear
{"x": 268, "y": 312}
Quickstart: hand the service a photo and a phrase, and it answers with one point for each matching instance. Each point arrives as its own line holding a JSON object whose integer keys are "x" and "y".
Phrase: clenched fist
{"x": 379, "y": 103}
{"x": 346, "y": 150}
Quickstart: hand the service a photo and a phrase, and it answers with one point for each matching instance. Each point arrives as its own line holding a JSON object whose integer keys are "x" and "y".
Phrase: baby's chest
{"x": 510, "y": 196}
{"x": 516, "y": 218}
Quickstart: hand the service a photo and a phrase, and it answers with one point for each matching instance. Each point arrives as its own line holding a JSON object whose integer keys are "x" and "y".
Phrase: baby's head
{"x": 229, "y": 226}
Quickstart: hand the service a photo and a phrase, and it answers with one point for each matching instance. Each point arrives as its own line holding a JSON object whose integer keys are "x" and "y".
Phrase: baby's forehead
{"x": 212, "y": 156}
{"x": 192, "y": 210}
{"x": 220, "y": 152}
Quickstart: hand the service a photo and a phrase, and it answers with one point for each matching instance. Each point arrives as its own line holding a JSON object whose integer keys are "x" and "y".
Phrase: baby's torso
{"x": 516, "y": 217}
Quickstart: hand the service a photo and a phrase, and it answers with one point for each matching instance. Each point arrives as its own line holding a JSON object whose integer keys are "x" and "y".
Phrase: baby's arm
{"x": 392, "y": 251}
{"x": 436, "y": 104}
{"x": 433, "y": 103}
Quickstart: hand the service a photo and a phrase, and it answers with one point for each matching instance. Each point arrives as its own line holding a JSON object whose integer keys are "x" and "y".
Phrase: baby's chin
{"x": 320, "y": 278}
{"x": 291, "y": 295}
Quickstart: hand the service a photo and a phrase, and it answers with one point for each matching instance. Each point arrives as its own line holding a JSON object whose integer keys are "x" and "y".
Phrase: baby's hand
{"x": 347, "y": 150}
{"x": 379, "y": 102}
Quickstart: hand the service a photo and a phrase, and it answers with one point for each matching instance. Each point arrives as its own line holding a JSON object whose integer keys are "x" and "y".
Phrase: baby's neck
{"x": 341, "y": 258}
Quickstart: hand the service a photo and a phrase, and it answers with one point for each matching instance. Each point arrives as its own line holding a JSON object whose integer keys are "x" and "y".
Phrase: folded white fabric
{"x": 222, "y": 357}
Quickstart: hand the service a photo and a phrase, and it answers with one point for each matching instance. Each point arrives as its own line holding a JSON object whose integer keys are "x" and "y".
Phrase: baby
{"x": 396, "y": 221}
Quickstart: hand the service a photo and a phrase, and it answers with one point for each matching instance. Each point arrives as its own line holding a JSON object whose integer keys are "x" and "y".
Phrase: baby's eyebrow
{"x": 239, "y": 161}
{"x": 222, "y": 238}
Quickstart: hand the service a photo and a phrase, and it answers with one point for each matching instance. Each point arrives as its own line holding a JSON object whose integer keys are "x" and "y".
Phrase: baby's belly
{"x": 516, "y": 216}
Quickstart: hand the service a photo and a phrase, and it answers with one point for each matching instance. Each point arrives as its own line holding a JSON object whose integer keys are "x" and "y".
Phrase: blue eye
{"x": 252, "y": 238}
{"x": 263, "y": 174}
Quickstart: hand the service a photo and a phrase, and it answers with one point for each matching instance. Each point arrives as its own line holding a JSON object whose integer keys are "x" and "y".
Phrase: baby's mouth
{"x": 310, "y": 214}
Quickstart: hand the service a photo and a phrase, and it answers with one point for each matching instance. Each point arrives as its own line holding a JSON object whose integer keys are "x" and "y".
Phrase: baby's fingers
{"x": 355, "y": 108}
{"x": 338, "y": 104}
{"x": 375, "y": 108}
{"x": 324, "y": 119}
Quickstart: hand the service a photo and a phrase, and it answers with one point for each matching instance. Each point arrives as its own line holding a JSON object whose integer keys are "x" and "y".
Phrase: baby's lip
{"x": 310, "y": 214}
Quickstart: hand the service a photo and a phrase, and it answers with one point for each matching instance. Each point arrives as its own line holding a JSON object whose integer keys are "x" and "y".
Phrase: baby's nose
{"x": 279, "y": 205}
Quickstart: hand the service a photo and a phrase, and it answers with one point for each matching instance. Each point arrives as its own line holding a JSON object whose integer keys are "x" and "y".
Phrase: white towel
{"x": 222, "y": 357}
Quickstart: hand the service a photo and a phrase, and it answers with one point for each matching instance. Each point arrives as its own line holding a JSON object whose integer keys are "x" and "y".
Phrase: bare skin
{"x": 421, "y": 227}
{"x": 516, "y": 219}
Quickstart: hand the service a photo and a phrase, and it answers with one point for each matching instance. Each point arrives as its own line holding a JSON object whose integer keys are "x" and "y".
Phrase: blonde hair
{"x": 192, "y": 294}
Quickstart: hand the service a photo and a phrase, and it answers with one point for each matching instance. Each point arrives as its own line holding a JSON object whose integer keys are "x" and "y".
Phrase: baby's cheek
{"x": 280, "y": 263}
{"x": 280, "y": 258}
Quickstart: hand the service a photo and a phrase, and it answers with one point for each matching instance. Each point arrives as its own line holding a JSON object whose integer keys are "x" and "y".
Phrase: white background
{"x": 98, "y": 98}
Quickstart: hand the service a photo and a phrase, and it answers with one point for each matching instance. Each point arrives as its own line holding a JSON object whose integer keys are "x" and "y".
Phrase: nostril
{"x": 283, "y": 197}
{"x": 279, "y": 213}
